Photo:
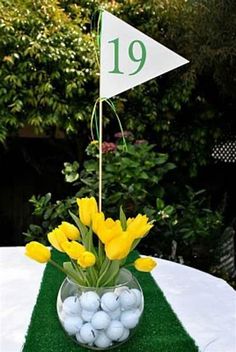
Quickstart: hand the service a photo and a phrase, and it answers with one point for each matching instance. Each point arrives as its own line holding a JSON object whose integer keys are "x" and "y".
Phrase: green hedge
{"x": 48, "y": 72}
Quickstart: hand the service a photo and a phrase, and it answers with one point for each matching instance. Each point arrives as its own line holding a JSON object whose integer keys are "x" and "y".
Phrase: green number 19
{"x": 141, "y": 59}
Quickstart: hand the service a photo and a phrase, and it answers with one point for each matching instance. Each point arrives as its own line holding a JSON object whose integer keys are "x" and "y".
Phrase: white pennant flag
{"x": 128, "y": 57}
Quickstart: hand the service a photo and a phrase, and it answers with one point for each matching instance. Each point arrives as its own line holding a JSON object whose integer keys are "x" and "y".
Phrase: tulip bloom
{"x": 56, "y": 238}
{"x": 97, "y": 219}
{"x": 119, "y": 247}
{"x": 145, "y": 264}
{"x": 87, "y": 208}
{"x": 86, "y": 259}
{"x": 73, "y": 249}
{"x": 138, "y": 227}
{"x": 108, "y": 229}
{"x": 38, "y": 252}
{"x": 70, "y": 230}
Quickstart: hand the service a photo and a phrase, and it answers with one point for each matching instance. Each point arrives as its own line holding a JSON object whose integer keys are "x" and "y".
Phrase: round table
{"x": 205, "y": 305}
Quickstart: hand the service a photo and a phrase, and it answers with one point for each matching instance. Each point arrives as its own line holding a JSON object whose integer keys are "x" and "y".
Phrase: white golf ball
{"x": 128, "y": 300}
{"x": 87, "y": 315}
{"x": 125, "y": 335}
{"x": 109, "y": 301}
{"x": 71, "y": 305}
{"x": 64, "y": 315}
{"x": 102, "y": 340}
{"x": 100, "y": 320}
{"x": 79, "y": 338}
{"x": 138, "y": 312}
{"x": 72, "y": 325}
{"x": 138, "y": 296}
{"x": 129, "y": 318}
{"x": 90, "y": 301}
{"x": 115, "y": 330}
{"x": 88, "y": 333}
{"x": 115, "y": 314}
{"x": 119, "y": 290}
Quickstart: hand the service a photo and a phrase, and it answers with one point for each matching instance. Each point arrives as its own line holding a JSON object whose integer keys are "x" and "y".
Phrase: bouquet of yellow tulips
{"x": 97, "y": 247}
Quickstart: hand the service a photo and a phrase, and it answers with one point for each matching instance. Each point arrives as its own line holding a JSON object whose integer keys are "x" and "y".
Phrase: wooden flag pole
{"x": 100, "y": 116}
{"x": 100, "y": 157}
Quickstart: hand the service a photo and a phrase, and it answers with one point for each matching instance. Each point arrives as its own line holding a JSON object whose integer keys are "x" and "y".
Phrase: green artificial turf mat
{"x": 159, "y": 330}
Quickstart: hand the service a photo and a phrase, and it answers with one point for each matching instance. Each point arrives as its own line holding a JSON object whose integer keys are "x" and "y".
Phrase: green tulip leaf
{"x": 88, "y": 243}
{"x": 123, "y": 219}
{"x": 105, "y": 263}
{"x": 109, "y": 273}
{"x": 83, "y": 229}
{"x": 73, "y": 274}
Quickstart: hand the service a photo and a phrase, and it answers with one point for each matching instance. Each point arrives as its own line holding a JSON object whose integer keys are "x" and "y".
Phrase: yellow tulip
{"x": 145, "y": 264}
{"x": 108, "y": 229}
{"x": 38, "y": 252}
{"x": 87, "y": 208}
{"x": 119, "y": 247}
{"x": 70, "y": 230}
{"x": 73, "y": 249}
{"x": 97, "y": 219}
{"x": 138, "y": 227}
{"x": 56, "y": 238}
{"x": 86, "y": 259}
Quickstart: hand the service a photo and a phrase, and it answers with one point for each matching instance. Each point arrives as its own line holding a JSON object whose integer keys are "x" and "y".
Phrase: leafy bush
{"x": 191, "y": 227}
{"x": 46, "y": 67}
{"x": 48, "y": 77}
{"x": 48, "y": 215}
{"x": 136, "y": 178}
{"x": 131, "y": 178}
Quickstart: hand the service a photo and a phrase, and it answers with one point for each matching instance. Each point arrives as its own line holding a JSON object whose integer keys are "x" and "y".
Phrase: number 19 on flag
{"x": 139, "y": 58}
{"x": 128, "y": 57}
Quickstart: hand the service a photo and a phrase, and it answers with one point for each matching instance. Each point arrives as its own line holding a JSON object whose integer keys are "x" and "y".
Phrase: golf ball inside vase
{"x": 101, "y": 318}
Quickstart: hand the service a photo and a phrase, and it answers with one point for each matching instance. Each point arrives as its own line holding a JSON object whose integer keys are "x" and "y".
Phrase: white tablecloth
{"x": 204, "y": 304}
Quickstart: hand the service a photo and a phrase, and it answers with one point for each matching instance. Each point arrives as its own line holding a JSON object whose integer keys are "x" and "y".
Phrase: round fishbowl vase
{"x": 101, "y": 318}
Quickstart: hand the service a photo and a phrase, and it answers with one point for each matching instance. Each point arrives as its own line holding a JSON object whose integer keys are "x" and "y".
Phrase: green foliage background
{"x": 49, "y": 81}
{"x": 47, "y": 67}
{"x": 49, "y": 77}
{"x": 137, "y": 180}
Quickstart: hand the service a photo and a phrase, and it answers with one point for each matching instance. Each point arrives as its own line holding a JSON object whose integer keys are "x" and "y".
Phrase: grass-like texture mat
{"x": 159, "y": 330}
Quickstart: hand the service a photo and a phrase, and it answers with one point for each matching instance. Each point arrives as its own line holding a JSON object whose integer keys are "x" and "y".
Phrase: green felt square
{"x": 159, "y": 330}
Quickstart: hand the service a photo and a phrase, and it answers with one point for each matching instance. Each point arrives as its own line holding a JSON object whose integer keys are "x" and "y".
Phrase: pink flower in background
{"x": 140, "y": 141}
{"x": 108, "y": 147}
{"x": 126, "y": 134}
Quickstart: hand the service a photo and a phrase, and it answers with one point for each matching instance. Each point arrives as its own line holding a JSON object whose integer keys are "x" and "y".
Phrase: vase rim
{"x": 126, "y": 282}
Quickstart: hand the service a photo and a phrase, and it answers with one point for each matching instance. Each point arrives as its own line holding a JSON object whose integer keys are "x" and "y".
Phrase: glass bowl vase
{"x": 101, "y": 318}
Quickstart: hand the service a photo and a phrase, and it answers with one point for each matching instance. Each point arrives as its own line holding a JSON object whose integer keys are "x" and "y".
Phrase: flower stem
{"x": 100, "y": 252}
{"x": 126, "y": 265}
{"x": 80, "y": 271}
{"x": 84, "y": 276}
{"x": 62, "y": 269}
{"x": 103, "y": 273}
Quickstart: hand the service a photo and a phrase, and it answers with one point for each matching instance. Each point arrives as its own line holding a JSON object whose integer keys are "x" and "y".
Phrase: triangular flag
{"x": 128, "y": 57}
